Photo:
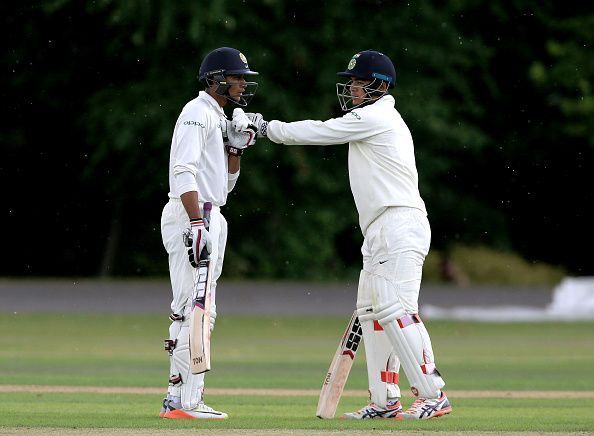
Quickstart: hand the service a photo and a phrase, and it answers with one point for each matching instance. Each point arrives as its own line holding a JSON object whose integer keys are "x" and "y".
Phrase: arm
{"x": 189, "y": 142}
{"x": 233, "y": 171}
{"x": 350, "y": 127}
{"x": 234, "y": 164}
{"x": 190, "y": 202}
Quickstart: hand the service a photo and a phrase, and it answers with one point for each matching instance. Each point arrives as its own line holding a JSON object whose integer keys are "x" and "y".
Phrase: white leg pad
{"x": 174, "y": 330}
{"x": 408, "y": 337}
{"x": 382, "y": 364}
{"x": 192, "y": 384}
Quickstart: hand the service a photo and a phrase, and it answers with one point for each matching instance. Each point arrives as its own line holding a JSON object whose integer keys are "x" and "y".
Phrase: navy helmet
{"x": 366, "y": 65}
{"x": 223, "y": 62}
{"x": 369, "y": 65}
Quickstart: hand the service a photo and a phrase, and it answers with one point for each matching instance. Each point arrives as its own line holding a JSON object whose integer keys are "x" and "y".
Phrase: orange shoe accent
{"x": 442, "y": 412}
{"x": 177, "y": 414}
{"x": 180, "y": 414}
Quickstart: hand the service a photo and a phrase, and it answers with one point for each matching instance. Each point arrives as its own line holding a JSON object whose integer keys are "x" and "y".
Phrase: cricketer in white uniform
{"x": 393, "y": 219}
{"x": 201, "y": 169}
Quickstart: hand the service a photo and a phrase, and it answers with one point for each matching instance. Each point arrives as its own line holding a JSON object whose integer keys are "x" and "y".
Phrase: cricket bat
{"x": 340, "y": 367}
{"x": 200, "y": 314}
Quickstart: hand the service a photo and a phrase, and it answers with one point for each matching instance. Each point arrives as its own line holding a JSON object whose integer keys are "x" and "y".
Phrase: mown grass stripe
{"x": 286, "y": 392}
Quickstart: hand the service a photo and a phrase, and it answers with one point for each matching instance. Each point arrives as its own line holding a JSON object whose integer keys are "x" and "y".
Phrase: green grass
{"x": 286, "y": 353}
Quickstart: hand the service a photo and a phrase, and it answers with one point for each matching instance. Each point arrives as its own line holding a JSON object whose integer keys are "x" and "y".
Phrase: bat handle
{"x": 206, "y": 218}
{"x": 206, "y": 214}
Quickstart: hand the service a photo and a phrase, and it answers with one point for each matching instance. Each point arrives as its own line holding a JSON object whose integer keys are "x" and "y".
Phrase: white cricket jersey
{"x": 382, "y": 168}
{"x": 198, "y": 161}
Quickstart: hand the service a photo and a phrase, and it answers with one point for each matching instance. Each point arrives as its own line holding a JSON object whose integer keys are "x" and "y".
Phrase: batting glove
{"x": 257, "y": 120}
{"x": 197, "y": 239}
{"x": 237, "y": 141}
{"x": 240, "y": 121}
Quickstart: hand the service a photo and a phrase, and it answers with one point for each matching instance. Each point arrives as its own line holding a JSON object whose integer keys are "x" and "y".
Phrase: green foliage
{"x": 491, "y": 92}
{"x": 480, "y": 265}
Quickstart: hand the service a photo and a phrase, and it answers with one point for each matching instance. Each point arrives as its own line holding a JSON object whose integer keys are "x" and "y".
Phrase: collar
{"x": 386, "y": 99}
{"x": 203, "y": 95}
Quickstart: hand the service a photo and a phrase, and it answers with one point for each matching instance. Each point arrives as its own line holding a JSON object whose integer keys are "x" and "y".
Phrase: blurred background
{"x": 498, "y": 95}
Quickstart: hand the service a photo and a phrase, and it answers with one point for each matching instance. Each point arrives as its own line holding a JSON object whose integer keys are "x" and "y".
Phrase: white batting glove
{"x": 197, "y": 239}
{"x": 240, "y": 121}
{"x": 237, "y": 141}
{"x": 257, "y": 120}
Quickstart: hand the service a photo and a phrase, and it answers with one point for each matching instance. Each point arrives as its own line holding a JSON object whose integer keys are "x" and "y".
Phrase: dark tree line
{"x": 498, "y": 95}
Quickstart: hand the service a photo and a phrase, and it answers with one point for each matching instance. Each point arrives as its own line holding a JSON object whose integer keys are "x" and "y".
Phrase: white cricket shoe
{"x": 373, "y": 411}
{"x": 201, "y": 411}
{"x": 425, "y": 408}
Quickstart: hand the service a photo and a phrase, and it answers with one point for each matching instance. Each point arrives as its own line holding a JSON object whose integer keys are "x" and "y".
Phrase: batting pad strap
{"x": 170, "y": 345}
{"x": 175, "y": 379}
{"x": 428, "y": 368}
{"x": 408, "y": 319}
{"x": 390, "y": 377}
{"x": 176, "y": 317}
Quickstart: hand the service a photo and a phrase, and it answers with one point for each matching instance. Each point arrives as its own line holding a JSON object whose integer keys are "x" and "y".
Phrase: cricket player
{"x": 202, "y": 168}
{"x": 393, "y": 219}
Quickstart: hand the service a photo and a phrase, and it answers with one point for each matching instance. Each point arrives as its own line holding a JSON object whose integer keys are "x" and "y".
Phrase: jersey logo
{"x": 194, "y": 123}
{"x": 355, "y": 114}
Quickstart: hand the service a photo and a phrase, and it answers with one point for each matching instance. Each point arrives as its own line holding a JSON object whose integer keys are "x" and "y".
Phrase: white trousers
{"x": 395, "y": 247}
{"x": 394, "y": 251}
{"x": 174, "y": 220}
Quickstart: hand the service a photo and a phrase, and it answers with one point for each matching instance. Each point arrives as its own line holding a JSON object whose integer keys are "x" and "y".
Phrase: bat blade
{"x": 339, "y": 370}
{"x": 200, "y": 315}
{"x": 200, "y": 321}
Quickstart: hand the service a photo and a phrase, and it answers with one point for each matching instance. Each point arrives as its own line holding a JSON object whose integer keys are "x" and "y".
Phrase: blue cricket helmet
{"x": 226, "y": 61}
{"x": 369, "y": 65}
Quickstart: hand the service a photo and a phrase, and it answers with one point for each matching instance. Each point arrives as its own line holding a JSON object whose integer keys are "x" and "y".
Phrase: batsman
{"x": 204, "y": 166}
{"x": 392, "y": 216}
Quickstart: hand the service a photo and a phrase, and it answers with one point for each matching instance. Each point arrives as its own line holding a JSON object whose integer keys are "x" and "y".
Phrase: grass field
{"x": 285, "y": 359}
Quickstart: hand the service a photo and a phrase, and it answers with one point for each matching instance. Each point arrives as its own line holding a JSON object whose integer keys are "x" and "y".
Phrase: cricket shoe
{"x": 373, "y": 411}
{"x": 425, "y": 408}
{"x": 169, "y": 403}
{"x": 201, "y": 411}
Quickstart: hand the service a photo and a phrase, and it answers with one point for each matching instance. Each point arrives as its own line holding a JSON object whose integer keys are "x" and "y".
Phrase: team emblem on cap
{"x": 352, "y": 64}
{"x": 243, "y": 58}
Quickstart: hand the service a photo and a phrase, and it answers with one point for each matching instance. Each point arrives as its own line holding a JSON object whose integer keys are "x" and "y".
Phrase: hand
{"x": 237, "y": 141}
{"x": 240, "y": 121}
{"x": 257, "y": 120}
{"x": 197, "y": 239}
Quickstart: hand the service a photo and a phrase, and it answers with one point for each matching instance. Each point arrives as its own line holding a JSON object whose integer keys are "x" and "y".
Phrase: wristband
{"x": 196, "y": 222}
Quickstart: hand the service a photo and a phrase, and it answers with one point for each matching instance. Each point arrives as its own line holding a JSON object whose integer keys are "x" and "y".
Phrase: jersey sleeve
{"x": 190, "y": 141}
{"x": 350, "y": 127}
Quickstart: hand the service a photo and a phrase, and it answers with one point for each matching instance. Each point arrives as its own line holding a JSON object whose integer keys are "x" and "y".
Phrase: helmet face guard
{"x": 371, "y": 93}
{"x": 223, "y": 86}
